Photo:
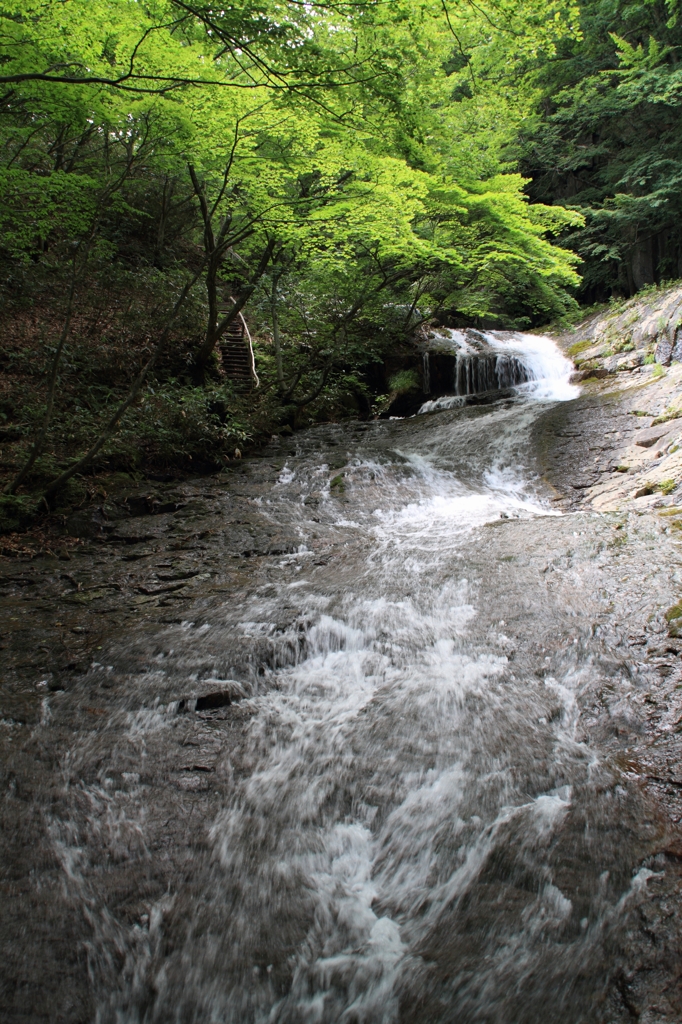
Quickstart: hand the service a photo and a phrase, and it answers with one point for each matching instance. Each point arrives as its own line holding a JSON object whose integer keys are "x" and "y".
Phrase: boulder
{"x": 630, "y": 361}
{"x": 213, "y": 700}
{"x": 599, "y": 372}
{"x": 648, "y": 437}
{"x": 663, "y": 352}
{"x": 677, "y": 347}
{"x": 87, "y": 522}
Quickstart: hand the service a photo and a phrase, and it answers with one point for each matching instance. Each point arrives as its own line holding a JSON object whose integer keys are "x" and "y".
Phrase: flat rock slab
{"x": 649, "y": 436}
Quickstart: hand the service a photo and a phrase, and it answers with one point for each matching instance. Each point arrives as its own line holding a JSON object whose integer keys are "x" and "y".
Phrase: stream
{"x": 378, "y": 771}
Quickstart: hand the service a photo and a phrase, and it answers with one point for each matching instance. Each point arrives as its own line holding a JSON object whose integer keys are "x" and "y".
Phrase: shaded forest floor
{"x": 179, "y": 426}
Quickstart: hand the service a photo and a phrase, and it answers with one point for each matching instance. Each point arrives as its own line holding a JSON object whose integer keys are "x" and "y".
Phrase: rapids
{"x": 412, "y": 810}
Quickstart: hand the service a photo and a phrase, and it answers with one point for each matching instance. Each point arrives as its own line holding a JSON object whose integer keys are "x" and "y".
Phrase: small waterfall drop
{"x": 466, "y": 363}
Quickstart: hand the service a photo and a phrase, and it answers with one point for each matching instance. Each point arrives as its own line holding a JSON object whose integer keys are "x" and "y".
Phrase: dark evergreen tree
{"x": 607, "y": 139}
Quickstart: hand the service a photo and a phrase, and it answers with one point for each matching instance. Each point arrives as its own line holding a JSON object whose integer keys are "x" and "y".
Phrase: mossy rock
{"x": 587, "y": 364}
{"x": 669, "y": 414}
{"x": 580, "y": 346}
{"x": 674, "y": 613}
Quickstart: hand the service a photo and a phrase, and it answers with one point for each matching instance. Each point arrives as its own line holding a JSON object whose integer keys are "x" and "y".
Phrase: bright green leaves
{"x": 36, "y": 211}
{"x": 637, "y": 56}
{"x": 329, "y": 133}
{"x": 497, "y": 243}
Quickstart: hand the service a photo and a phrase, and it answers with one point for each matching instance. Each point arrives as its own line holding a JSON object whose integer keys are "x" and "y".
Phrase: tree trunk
{"x": 215, "y": 333}
{"x": 275, "y": 333}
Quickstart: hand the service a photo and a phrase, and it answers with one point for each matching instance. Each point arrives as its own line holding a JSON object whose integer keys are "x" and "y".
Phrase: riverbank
{"x": 178, "y": 430}
{"x": 623, "y": 447}
{"x": 583, "y": 448}
{"x": 180, "y": 422}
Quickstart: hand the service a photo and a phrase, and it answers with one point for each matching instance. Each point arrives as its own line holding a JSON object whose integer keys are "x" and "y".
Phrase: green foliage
{"x": 339, "y": 171}
{"x": 176, "y": 423}
{"x": 404, "y": 381}
{"x": 580, "y": 346}
{"x": 60, "y": 205}
{"x": 172, "y": 424}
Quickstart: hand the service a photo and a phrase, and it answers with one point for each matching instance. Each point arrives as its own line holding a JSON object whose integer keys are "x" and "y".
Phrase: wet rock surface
{"x": 135, "y": 578}
{"x": 617, "y": 439}
{"x": 581, "y": 445}
{"x": 138, "y": 701}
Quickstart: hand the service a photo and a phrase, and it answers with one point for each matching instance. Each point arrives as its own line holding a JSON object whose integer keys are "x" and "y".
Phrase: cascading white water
{"x": 488, "y": 361}
{"x": 411, "y": 826}
{"x": 549, "y": 369}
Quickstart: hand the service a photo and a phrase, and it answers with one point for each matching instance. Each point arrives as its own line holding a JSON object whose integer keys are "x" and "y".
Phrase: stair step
{"x": 235, "y": 353}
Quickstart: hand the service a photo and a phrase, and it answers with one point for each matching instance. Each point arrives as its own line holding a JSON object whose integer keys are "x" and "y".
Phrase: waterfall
{"x": 404, "y": 806}
{"x": 462, "y": 363}
{"x": 475, "y": 375}
{"x": 427, "y": 374}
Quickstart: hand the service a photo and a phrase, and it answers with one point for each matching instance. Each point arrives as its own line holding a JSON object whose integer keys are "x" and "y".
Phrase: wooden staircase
{"x": 236, "y": 354}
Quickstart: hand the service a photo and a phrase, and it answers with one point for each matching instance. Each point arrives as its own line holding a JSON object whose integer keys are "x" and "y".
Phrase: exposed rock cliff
{"x": 628, "y": 359}
{"x": 647, "y": 328}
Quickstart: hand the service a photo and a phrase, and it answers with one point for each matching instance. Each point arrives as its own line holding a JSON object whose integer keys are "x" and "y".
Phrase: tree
{"x": 336, "y": 170}
{"x": 605, "y": 138}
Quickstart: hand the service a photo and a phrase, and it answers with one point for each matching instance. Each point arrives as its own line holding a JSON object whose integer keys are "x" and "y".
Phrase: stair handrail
{"x": 252, "y": 358}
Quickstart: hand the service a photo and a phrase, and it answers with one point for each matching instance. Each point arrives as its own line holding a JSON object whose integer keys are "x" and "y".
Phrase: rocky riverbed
{"x": 366, "y": 634}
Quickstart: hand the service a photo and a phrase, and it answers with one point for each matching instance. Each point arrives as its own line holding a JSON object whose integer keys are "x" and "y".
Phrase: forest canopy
{"x": 604, "y": 138}
{"x": 333, "y": 175}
